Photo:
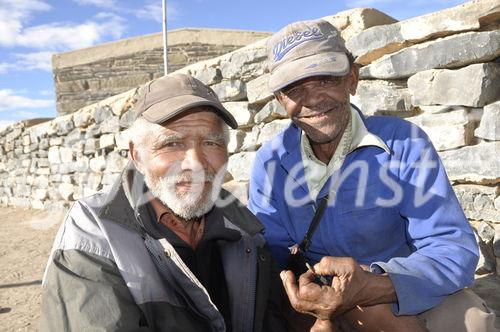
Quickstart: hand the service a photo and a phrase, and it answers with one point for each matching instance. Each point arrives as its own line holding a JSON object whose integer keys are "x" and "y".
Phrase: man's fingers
{"x": 294, "y": 295}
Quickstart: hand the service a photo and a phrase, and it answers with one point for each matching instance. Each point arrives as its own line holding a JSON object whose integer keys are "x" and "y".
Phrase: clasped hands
{"x": 347, "y": 290}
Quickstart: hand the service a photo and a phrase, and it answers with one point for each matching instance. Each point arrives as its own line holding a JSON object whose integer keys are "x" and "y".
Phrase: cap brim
{"x": 331, "y": 64}
{"x": 170, "y": 108}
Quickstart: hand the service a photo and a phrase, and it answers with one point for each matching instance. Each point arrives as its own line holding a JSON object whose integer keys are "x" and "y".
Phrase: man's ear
{"x": 135, "y": 156}
{"x": 353, "y": 79}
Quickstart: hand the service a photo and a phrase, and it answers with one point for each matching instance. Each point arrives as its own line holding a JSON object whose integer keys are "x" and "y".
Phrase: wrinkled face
{"x": 319, "y": 105}
{"x": 185, "y": 162}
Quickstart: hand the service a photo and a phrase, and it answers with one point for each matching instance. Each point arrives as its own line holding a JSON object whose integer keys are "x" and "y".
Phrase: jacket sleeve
{"x": 85, "y": 292}
{"x": 445, "y": 251}
{"x": 265, "y": 205}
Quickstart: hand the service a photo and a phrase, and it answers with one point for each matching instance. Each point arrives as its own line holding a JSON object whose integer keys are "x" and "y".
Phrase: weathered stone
{"x": 115, "y": 162}
{"x": 110, "y": 125}
{"x": 236, "y": 138}
{"x": 82, "y": 119}
{"x": 66, "y": 178}
{"x": 41, "y": 182}
{"x": 102, "y": 113}
{"x": 446, "y": 130}
{"x": 489, "y": 128}
{"x": 94, "y": 181}
{"x": 73, "y": 137}
{"x": 209, "y": 75}
{"x": 485, "y": 232}
{"x": 449, "y": 52}
{"x": 446, "y": 87}
{"x": 54, "y": 141}
{"x": 122, "y": 139}
{"x": 258, "y": 91}
{"x": 230, "y": 90}
{"x": 66, "y": 154}
{"x": 271, "y": 111}
{"x": 382, "y": 97}
{"x": 66, "y": 191}
{"x": 271, "y": 129}
{"x": 496, "y": 241}
{"x": 246, "y": 62}
{"x": 478, "y": 164}
{"x": 13, "y": 135}
{"x": 238, "y": 189}
{"x": 375, "y": 42}
{"x": 478, "y": 202}
{"x": 62, "y": 125}
{"x": 239, "y": 110}
{"x": 106, "y": 141}
{"x": 109, "y": 179}
{"x": 36, "y": 204}
{"x": 239, "y": 165}
{"x": 54, "y": 156}
{"x": 26, "y": 163}
{"x": 487, "y": 260}
{"x": 97, "y": 164}
{"x": 43, "y": 171}
{"x": 91, "y": 146}
{"x": 26, "y": 140}
{"x": 250, "y": 141}
{"x": 93, "y": 131}
{"x": 351, "y": 22}
{"x": 127, "y": 118}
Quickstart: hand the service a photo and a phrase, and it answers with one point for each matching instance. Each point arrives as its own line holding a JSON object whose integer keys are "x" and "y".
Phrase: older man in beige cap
{"x": 157, "y": 253}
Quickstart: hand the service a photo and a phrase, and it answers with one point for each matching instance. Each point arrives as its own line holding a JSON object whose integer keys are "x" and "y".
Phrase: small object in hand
{"x": 320, "y": 280}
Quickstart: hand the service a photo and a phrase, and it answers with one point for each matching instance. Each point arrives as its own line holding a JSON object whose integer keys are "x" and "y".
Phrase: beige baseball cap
{"x": 304, "y": 49}
{"x": 169, "y": 96}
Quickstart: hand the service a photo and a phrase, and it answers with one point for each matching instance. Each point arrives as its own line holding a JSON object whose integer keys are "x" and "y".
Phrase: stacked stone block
{"x": 444, "y": 78}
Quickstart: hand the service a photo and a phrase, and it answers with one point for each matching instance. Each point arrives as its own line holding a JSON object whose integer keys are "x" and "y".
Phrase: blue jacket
{"x": 394, "y": 211}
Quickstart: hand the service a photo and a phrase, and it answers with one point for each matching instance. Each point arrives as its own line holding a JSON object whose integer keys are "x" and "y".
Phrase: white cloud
{"x": 67, "y": 36}
{"x": 154, "y": 11}
{"x": 36, "y": 60}
{"x": 46, "y": 93}
{"x": 97, "y": 3}
{"x": 9, "y": 100}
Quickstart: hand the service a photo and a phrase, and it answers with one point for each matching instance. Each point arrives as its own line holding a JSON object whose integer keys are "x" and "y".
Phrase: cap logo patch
{"x": 289, "y": 42}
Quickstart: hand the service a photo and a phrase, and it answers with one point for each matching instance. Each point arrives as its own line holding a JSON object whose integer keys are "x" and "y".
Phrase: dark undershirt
{"x": 205, "y": 255}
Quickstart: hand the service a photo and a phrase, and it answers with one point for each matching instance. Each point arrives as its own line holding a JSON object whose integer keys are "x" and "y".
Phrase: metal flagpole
{"x": 165, "y": 47}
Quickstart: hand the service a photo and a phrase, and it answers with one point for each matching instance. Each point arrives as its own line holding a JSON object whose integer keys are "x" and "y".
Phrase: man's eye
{"x": 293, "y": 93}
{"x": 213, "y": 143}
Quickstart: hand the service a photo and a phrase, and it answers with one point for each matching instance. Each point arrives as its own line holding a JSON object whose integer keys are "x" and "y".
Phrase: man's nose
{"x": 311, "y": 97}
{"x": 193, "y": 160}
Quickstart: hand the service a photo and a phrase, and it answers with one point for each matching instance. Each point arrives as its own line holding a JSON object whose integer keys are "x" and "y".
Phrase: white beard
{"x": 190, "y": 205}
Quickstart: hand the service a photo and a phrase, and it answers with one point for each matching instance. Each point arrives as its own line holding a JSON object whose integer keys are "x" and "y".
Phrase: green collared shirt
{"x": 355, "y": 136}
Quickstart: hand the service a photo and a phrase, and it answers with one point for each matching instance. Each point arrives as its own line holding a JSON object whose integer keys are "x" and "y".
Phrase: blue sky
{"x": 32, "y": 30}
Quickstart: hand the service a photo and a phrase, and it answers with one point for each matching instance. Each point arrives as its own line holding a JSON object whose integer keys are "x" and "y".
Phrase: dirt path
{"x": 26, "y": 238}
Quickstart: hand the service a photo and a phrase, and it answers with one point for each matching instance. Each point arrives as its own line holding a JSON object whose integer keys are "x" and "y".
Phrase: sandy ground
{"x": 26, "y": 238}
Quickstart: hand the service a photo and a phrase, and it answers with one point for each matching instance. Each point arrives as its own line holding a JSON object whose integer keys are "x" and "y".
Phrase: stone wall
{"x": 444, "y": 78}
{"x": 86, "y": 76}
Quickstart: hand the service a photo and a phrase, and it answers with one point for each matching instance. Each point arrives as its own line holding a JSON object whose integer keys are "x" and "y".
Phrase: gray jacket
{"x": 106, "y": 273}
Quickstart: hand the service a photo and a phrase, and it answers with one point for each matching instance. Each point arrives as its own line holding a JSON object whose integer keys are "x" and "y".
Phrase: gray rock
{"x": 91, "y": 146}
{"x": 93, "y": 131}
{"x": 54, "y": 156}
{"x": 122, "y": 139}
{"x": 271, "y": 129}
{"x": 246, "y": 62}
{"x": 66, "y": 191}
{"x": 258, "y": 91}
{"x": 110, "y": 125}
{"x": 109, "y": 179}
{"x": 236, "y": 138}
{"x": 107, "y": 141}
{"x": 53, "y": 141}
{"x": 102, "y": 113}
{"x": 41, "y": 182}
{"x": 127, "y": 119}
{"x": 250, "y": 141}
{"x": 450, "y": 52}
{"x": 377, "y": 97}
{"x": 239, "y": 110}
{"x": 485, "y": 232}
{"x": 66, "y": 154}
{"x": 477, "y": 164}
{"x": 63, "y": 125}
{"x": 239, "y": 165}
{"x": 371, "y": 44}
{"x": 94, "y": 181}
{"x": 82, "y": 119}
{"x": 115, "y": 162}
{"x": 73, "y": 137}
{"x": 446, "y": 130}
{"x": 445, "y": 87}
{"x": 13, "y": 135}
{"x": 489, "y": 128}
{"x": 208, "y": 75}
{"x": 271, "y": 111}
{"x": 97, "y": 164}
{"x": 230, "y": 90}
{"x": 487, "y": 260}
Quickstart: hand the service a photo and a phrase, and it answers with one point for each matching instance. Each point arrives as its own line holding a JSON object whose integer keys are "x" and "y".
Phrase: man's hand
{"x": 351, "y": 286}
